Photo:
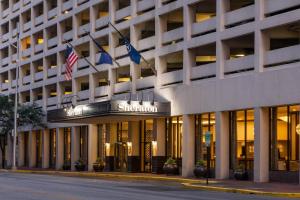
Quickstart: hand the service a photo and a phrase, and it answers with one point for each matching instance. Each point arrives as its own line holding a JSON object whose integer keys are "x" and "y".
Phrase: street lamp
{"x": 15, "y": 132}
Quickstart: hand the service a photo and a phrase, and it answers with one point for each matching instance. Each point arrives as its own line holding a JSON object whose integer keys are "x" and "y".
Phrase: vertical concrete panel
{"x": 188, "y": 145}
{"x": 222, "y": 145}
{"x": 21, "y": 150}
{"x": 135, "y": 137}
{"x": 59, "y": 148}
{"x": 92, "y": 145}
{"x": 75, "y": 146}
{"x": 261, "y": 145}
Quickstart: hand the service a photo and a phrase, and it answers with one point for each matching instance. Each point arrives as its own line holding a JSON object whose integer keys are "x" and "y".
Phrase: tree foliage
{"x": 28, "y": 115}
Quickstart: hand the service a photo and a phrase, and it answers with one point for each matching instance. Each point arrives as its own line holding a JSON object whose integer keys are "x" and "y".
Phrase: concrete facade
{"x": 210, "y": 57}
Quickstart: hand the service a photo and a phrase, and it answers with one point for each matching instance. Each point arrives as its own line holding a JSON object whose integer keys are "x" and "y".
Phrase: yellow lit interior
{"x": 66, "y": 92}
{"x": 40, "y": 41}
{"x": 124, "y": 79}
{"x": 205, "y": 58}
{"x": 102, "y": 14}
{"x": 203, "y": 16}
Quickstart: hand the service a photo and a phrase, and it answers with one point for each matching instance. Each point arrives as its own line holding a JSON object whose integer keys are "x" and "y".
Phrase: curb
{"x": 110, "y": 175}
{"x": 241, "y": 191}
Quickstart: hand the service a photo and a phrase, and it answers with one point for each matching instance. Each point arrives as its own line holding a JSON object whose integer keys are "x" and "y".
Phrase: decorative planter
{"x": 200, "y": 172}
{"x": 80, "y": 167}
{"x": 170, "y": 169}
{"x": 241, "y": 175}
{"x": 98, "y": 168}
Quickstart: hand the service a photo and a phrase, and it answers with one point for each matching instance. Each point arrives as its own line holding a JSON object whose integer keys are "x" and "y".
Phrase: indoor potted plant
{"x": 80, "y": 165}
{"x": 240, "y": 173}
{"x": 170, "y": 167}
{"x": 98, "y": 166}
{"x": 200, "y": 169}
{"x": 67, "y": 165}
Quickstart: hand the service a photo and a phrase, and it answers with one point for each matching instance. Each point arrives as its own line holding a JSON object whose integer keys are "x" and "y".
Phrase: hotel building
{"x": 230, "y": 67}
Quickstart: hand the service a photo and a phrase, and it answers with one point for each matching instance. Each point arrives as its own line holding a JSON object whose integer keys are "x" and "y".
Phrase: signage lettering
{"x": 78, "y": 110}
{"x": 136, "y": 108}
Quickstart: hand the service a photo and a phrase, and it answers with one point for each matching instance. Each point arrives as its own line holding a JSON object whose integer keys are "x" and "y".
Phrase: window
{"x": 174, "y": 137}
{"x": 284, "y": 141}
{"x": 203, "y": 124}
{"x": 242, "y": 139}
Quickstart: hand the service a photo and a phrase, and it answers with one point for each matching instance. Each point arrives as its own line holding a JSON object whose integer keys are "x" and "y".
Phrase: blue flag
{"x": 105, "y": 58}
{"x": 134, "y": 55}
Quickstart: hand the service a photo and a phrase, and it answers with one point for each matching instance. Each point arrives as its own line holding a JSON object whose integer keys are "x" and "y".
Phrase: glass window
{"x": 174, "y": 137}
{"x": 67, "y": 144}
{"x": 284, "y": 148}
{"x": 242, "y": 139}
{"x": 204, "y": 123}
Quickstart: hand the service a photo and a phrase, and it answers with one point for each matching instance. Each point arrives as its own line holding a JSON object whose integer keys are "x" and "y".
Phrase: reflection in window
{"x": 174, "y": 137}
{"x": 203, "y": 124}
{"x": 284, "y": 139}
{"x": 242, "y": 139}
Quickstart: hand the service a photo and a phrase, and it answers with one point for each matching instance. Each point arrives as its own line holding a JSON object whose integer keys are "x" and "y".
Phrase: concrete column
{"x": 46, "y": 148}
{"x": 222, "y": 7}
{"x": 134, "y": 137}
{"x": 92, "y": 145}
{"x": 261, "y": 145}
{"x": 59, "y": 148}
{"x": 188, "y": 145}
{"x": 21, "y": 149}
{"x": 222, "y": 145}
{"x": 75, "y": 146}
{"x": 32, "y": 149}
{"x": 261, "y": 41}
{"x": 160, "y": 132}
{"x": 134, "y": 160}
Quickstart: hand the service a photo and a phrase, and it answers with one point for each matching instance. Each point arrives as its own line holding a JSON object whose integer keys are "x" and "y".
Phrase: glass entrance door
{"x": 293, "y": 145}
{"x": 146, "y": 145}
{"x": 52, "y": 141}
{"x": 121, "y": 150}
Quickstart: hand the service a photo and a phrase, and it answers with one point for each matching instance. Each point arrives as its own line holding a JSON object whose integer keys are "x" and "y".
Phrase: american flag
{"x": 71, "y": 59}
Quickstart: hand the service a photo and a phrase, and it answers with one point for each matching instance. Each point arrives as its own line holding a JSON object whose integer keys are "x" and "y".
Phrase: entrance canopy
{"x": 112, "y": 110}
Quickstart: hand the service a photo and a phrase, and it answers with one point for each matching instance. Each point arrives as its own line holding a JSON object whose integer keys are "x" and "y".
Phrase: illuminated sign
{"x": 78, "y": 110}
{"x": 125, "y": 107}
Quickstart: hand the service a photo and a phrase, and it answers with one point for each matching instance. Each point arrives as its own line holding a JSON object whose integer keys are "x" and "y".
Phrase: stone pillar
{"x": 158, "y": 145}
{"x": 221, "y": 49}
{"x": 75, "y": 146}
{"x": 134, "y": 160}
{"x": 188, "y": 145}
{"x": 21, "y": 149}
{"x": 111, "y": 138}
{"x": 92, "y": 145}
{"x": 59, "y": 148}
{"x": 32, "y": 149}
{"x": 46, "y": 148}
{"x": 222, "y": 145}
{"x": 261, "y": 145}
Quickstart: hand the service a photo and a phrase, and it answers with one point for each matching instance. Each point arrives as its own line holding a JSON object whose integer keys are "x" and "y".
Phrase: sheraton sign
{"x": 110, "y": 108}
{"x": 125, "y": 107}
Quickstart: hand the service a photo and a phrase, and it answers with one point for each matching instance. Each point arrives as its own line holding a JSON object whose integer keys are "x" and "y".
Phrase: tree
{"x": 28, "y": 115}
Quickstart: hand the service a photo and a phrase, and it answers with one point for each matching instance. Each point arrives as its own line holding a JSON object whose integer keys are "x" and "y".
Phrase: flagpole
{"x": 101, "y": 48}
{"x": 144, "y": 59}
{"x": 83, "y": 57}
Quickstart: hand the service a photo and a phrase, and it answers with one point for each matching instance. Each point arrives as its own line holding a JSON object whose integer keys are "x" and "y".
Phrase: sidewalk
{"x": 245, "y": 187}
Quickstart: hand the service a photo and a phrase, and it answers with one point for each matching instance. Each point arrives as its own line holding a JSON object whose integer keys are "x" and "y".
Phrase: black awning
{"x": 110, "y": 108}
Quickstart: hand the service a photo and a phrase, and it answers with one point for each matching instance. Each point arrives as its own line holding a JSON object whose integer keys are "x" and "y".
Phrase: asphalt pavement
{"x": 16, "y": 186}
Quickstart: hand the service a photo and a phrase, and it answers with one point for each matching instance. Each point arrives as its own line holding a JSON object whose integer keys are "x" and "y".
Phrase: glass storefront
{"x": 39, "y": 144}
{"x": 83, "y": 147}
{"x": 174, "y": 137}
{"x": 52, "y": 145}
{"x": 67, "y": 146}
{"x": 120, "y": 147}
{"x": 205, "y": 123}
{"x": 284, "y": 141}
{"x": 242, "y": 139}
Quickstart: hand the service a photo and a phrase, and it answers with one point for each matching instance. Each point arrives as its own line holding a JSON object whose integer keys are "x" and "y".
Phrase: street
{"x": 15, "y": 186}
